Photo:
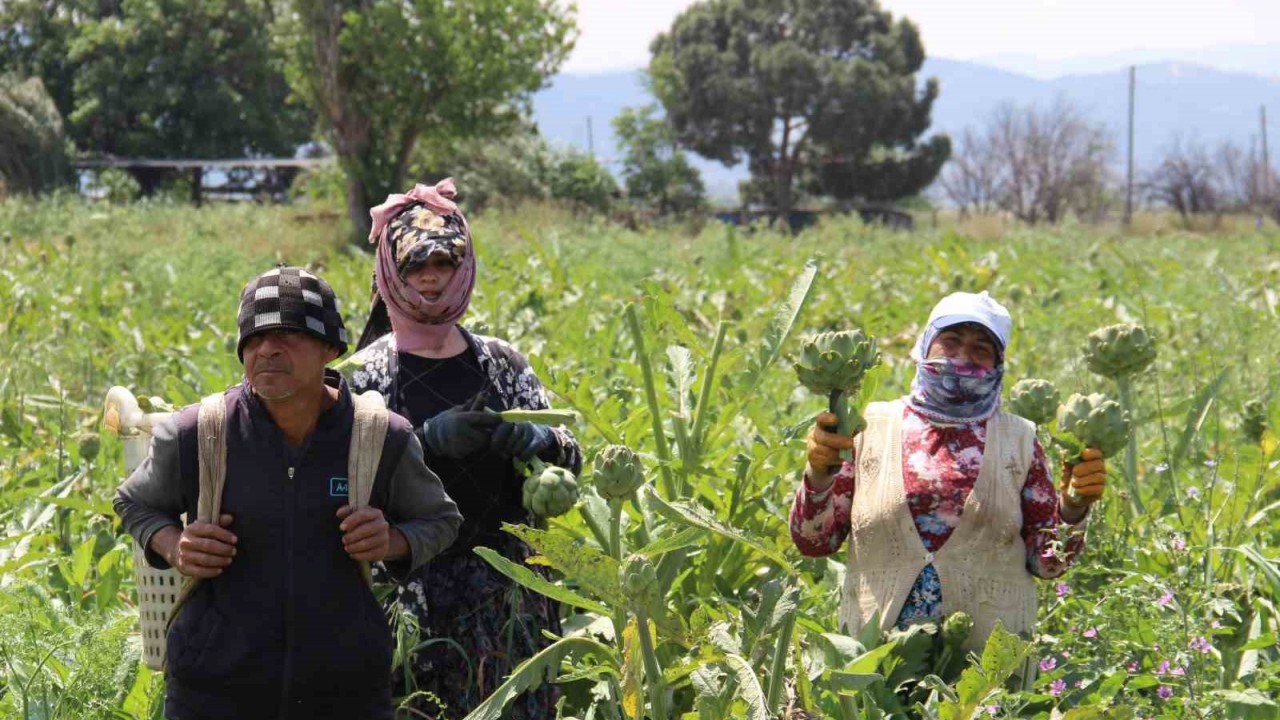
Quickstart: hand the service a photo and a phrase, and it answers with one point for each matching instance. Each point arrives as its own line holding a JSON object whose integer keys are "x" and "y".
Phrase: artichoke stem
{"x": 652, "y": 670}
{"x": 1131, "y": 453}
{"x": 838, "y": 405}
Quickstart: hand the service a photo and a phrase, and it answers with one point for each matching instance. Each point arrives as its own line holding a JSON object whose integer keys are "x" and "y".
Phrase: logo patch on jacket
{"x": 337, "y": 487}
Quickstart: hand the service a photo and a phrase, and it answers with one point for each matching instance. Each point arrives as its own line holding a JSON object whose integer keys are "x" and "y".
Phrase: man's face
{"x": 279, "y": 363}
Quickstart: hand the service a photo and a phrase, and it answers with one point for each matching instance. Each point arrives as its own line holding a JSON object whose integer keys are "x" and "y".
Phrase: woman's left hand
{"x": 1082, "y": 484}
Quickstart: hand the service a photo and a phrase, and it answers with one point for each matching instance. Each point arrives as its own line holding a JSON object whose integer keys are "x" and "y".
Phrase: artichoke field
{"x": 681, "y": 593}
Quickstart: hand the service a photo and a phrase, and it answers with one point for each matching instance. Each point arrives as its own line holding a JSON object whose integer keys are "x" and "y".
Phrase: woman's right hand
{"x": 823, "y": 448}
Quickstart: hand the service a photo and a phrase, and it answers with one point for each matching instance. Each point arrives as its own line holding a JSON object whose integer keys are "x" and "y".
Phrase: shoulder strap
{"x": 212, "y": 442}
{"x": 368, "y": 431}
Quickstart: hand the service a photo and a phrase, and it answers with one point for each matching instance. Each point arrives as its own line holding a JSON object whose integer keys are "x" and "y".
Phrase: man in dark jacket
{"x": 283, "y": 624}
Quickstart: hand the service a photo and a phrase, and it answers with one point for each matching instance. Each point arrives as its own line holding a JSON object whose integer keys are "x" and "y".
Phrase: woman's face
{"x": 966, "y": 342}
{"x": 432, "y": 277}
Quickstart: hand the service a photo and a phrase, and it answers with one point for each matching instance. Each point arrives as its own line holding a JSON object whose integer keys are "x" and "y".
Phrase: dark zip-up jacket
{"x": 289, "y": 629}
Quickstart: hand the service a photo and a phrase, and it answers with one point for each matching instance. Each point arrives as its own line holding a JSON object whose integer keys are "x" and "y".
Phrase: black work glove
{"x": 459, "y": 431}
{"x": 520, "y": 440}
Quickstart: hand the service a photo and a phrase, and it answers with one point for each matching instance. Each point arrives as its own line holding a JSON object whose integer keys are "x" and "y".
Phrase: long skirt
{"x": 474, "y": 626}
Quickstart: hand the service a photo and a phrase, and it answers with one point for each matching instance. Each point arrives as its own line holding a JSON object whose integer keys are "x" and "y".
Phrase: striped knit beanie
{"x": 290, "y": 297}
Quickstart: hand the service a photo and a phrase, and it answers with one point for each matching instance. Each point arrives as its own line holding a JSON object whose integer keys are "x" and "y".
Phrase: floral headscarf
{"x": 409, "y": 228}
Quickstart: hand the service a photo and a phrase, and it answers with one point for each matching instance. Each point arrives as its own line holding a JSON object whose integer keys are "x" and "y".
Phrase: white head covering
{"x": 962, "y": 307}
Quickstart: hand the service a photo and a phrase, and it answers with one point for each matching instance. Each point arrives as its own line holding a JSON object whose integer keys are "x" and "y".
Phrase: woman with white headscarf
{"x": 948, "y": 502}
{"x": 476, "y": 625}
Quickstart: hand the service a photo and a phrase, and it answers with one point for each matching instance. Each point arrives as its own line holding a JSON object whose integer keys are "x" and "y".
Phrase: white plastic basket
{"x": 157, "y": 594}
{"x": 157, "y": 589}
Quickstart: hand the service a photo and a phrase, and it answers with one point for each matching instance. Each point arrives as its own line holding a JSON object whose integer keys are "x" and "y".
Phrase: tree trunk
{"x": 358, "y": 209}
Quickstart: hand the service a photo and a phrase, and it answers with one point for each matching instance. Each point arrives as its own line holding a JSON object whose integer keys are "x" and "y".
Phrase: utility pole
{"x": 1266, "y": 162}
{"x": 591, "y": 143}
{"x": 1128, "y": 194}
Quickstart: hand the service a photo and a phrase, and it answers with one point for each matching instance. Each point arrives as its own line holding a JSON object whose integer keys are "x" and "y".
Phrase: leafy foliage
{"x": 158, "y": 78}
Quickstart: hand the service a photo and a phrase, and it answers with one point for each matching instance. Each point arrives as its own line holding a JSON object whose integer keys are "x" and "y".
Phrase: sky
{"x": 615, "y": 34}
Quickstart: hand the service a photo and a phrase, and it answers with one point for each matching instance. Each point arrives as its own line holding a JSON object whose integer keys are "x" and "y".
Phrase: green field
{"x": 1180, "y": 600}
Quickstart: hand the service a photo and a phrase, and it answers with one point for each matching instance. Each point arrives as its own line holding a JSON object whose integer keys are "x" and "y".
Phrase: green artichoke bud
{"x": 550, "y": 490}
{"x": 618, "y": 472}
{"x": 89, "y": 446}
{"x": 1096, "y": 421}
{"x": 1118, "y": 351}
{"x": 833, "y": 364}
{"x": 1254, "y": 423}
{"x": 836, "y": 361}
{"x": 639, "y": 581}
{"x": 956, "y": 629}
{"x": 1035, "y": 400}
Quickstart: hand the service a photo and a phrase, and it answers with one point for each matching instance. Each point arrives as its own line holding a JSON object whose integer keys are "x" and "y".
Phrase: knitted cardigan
{"x": 982, "y": 566}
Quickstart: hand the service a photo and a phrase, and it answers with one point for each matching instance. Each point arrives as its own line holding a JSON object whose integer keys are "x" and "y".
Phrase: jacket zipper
{"x": 290, "y": 504}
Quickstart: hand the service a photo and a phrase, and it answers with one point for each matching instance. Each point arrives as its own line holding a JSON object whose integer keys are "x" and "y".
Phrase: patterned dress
{"x": 940, "y": 464}
{"x": 475, "y": 625}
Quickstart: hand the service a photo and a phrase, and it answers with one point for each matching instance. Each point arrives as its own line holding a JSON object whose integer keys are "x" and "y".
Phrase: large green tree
{"x": 380, "y": 75}
{"x": 822, "y": 91}
{"x": 158, "y": 78}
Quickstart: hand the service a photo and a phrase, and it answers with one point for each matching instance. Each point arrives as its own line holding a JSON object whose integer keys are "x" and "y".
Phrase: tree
{"x": 1186, "y": 179}
{"x": 1038, "y": 164}
{"x": 381, "y": 74}
{"x": 575, "y": 177}
{"x": 1245, "y": 183}
{"x": 33, "y": 149}
{"x": 825, "y": 87}
{"x": 653, "y": 166}
{"x": 157, "y": 78}
{"x": 972, "y": 179}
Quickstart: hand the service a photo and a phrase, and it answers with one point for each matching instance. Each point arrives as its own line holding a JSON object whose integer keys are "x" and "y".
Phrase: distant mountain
{"x": 1195, "y": 101}
{"x": 1261, "y": 60}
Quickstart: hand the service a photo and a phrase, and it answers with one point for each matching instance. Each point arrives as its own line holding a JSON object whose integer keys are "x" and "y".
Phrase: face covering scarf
{"x": 420, "y": 323}
{"x": 951, "y": 392}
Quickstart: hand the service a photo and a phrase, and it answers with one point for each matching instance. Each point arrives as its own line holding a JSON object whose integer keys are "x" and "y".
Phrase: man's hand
{"x": 1082, "y": 484}
{"x": 823, "y": 448}
{"x": 367, "y": 536}
{"x": 200, "y": 550}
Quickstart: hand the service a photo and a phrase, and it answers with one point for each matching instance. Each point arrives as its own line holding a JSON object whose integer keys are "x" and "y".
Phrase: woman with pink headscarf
{"x": 475, "y": 624}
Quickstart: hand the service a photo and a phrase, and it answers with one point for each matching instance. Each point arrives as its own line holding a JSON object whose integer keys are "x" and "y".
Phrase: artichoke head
{"x": 90, "y": 444}
{"x": 639, "y": 581}
{"x": 1097, "y": 421}
{"x": 1034, "y": 399}
{"x": 836, "y": 361}
{"x": 1118, "y": 351}
{"x": 550, "y": 491}
{"x": 618, "y": 472}
{"x": 1254, "y": 421}
{"x": 956, "y": 629}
